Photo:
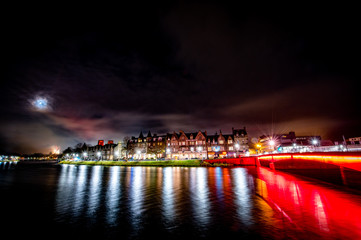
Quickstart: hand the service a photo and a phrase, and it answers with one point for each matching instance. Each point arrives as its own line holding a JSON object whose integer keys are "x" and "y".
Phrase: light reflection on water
{"x": 113, "y": 195}
{"x": 242, "y": 195}
{"x": 95, "y": 188}
{"x": 199, "y": 196}
{"x": 168, "y": 195}
{"x": 79, "y": 191}
{"x": 178, "y": 202}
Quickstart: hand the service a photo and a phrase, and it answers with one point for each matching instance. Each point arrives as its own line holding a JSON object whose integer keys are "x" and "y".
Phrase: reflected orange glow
{"x": 278, "y": 157}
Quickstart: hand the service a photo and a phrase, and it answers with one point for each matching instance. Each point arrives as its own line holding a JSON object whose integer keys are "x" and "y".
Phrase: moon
{"x": 41, "y": 103}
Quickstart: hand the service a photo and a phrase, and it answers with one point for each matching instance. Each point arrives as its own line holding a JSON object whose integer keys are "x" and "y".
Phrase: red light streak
{"x": 349, "y": 161}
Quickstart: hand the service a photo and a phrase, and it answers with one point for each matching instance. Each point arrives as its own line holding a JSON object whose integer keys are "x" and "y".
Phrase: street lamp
{"x": 85, "y": 154}
{"x": 199, "y": 150}
{"x": 272, "y": 144}
{"x": 99, "y": 155}
{"x": 168, "y": 152}
{"x": 138, "y": 152}
{"x": 237, "y": 146}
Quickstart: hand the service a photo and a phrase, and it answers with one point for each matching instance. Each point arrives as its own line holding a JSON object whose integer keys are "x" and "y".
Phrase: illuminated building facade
{"x": 101, "y": 151}
{"x": 200, "y": 145}
{"x": 149, "y": 147}
{"x": 288, "y": 142}
{"x": 193, "y": 145}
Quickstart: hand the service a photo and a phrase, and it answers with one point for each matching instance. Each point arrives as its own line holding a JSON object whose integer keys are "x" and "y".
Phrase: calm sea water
{"x": 95, "y": 202}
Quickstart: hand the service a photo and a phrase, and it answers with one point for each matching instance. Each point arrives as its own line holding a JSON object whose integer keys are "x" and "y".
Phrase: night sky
{"x": 75, "y": 74}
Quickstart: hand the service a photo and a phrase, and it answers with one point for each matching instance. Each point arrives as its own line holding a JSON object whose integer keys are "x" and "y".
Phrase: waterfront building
{"x": 288, "y": 142}
{"x": 200, "y": 145}
{"x": 192, "y": 145}
{"x": 186, "y": 145}
{"x": 353, "y": 144}
{"x": 120, "y": 151}
{"x": 149, "y": 147}
{"x": 228, "y": 145}
{"x": 101, "y": 151}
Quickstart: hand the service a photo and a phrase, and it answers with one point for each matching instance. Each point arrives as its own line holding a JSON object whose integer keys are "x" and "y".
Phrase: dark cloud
{"x": 171, "y": 66}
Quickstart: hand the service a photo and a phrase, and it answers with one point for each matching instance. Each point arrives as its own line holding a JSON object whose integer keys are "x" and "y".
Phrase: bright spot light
{"x": 314, "y": 141}
{"x": 272, "y": 143}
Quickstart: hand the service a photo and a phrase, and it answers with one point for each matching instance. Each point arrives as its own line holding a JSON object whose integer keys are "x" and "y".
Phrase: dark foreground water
{"x": 95, "y": 202}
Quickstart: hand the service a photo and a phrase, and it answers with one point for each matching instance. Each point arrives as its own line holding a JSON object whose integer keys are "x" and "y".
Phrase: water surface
{"x": 98, "y": 202}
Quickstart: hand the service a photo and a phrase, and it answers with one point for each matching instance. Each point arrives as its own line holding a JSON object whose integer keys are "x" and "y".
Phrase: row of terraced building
{"x": 191, "y": 145}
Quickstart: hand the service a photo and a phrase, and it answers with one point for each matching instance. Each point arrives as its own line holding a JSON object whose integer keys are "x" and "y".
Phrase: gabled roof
{"x": 240, "y": 131}
{"x": 141, "y": 135}
{"x": 149, "y": 134}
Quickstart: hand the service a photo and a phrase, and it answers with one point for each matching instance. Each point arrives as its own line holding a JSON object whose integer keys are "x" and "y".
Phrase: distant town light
{"x": 314, "y": 141}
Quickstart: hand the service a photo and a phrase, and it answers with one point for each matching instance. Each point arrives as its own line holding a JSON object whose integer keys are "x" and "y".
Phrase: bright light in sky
{"x": 55, "y": 149}
{"x": 41, "y": 103}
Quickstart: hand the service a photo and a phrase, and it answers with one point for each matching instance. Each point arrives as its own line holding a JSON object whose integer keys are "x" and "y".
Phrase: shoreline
{"x": 166, "y": 163}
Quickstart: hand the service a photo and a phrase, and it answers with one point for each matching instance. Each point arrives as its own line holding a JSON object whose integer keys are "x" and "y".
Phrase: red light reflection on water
{"x": 314, "y": 209}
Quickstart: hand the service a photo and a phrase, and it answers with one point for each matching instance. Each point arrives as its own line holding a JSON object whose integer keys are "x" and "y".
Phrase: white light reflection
{"x": 168, "y": 194}
{"x": 136, "y": 196}
{"x": 80, "y": 190}
{"x": 113, "y": 195}
{"x": 200, "y": 196}
{"x": 95, "y": 188}
{"x": 65, "y": 191}
{"x": 242, "y": 195}
{"x": 219, "y": 183}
